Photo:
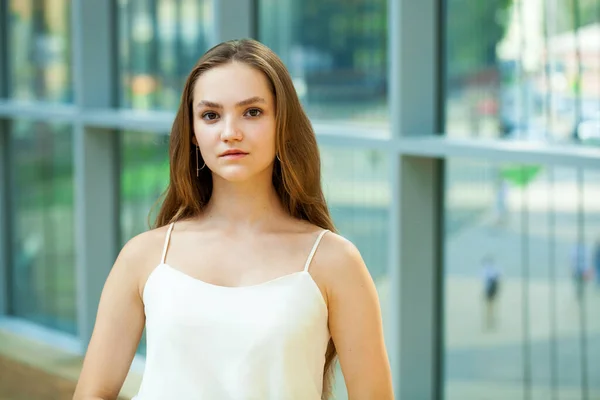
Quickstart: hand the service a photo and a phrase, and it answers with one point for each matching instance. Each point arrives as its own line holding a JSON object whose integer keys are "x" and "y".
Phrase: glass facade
{"x": 159, "y": 43}
{"x": 523, "y": 69}
{"x": 522, "y": 293}
{"x": 144, "y": 177}
{"x": 528, "y": 70}
{"x": 336, "y": 52}
{"x": 42, "y": 273}
{"x": 39, "y": 42}
{"x": 357, "y": 190}
{"x": 521, "y": 243}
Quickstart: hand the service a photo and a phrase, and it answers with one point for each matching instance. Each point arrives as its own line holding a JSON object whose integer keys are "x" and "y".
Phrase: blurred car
{"x": 530, "y": 132}
{"x": 589, "y": 129}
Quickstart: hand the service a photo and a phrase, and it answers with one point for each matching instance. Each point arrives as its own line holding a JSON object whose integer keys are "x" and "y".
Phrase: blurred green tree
{"x": 473, "y": 29}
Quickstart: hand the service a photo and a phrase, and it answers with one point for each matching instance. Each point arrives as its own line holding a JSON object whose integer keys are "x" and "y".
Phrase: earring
{"x": 198, "y": 163}
{"x": 277, "y": 155}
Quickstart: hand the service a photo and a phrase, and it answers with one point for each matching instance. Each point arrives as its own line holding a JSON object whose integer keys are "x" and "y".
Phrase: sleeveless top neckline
{"x": 207, "y": 341}
{"x": 163, "y": 263}
{"x": 201, "y": 282}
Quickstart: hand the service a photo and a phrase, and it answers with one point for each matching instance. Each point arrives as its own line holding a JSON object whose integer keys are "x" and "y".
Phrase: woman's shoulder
{"x": 338, "y": 266}
{"x": 335, "y": 255}
{"x": 144, "y": 249}
{"x": 332, "y": 247}
{"x": 140, "y": 256}
{"x": 338, "y": 252}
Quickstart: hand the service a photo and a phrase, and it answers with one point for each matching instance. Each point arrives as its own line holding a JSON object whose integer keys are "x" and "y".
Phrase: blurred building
{"x": 451, "y": 132}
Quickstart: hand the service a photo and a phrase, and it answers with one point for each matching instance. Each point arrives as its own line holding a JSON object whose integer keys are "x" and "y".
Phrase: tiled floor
{"x": 20, "y": 381}
{"x": 30, "y": 370}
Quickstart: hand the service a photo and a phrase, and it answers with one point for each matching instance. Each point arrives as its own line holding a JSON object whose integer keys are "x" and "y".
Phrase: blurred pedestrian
{"x": 579, "y": 269}
{"x": 491, "y": 286}
{"x": 596, "y": 261}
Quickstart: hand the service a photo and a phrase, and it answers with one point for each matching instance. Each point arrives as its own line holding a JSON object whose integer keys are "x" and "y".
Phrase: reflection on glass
{"x": 159, "y": 42}
{"x": 535, "y": 336}
{"x": 42, "y": 271}
{"x": 523, "y": 69}
{"x": 39, "y": 43}
{"x": 336, "y": 53}
{"x": 356, "y": 186}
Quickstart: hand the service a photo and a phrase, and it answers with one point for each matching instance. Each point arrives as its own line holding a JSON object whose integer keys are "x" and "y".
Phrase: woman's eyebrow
{"x": 251, "y": 100}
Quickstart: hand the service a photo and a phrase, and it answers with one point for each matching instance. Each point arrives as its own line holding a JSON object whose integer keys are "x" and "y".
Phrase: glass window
{"x": 523, "y": 69}
{"x": 144, "y": 177}
{"x": 521, "y": 247}
{"x": 159, "y": 43}
{"x": 336, "y": 52}
{"x": 590, "y": 193}
{"x": 42, "y": 272}
{"x": 356, "y": 186}
{"x": 39, "y": 43}
{"x": 477, "y": 355}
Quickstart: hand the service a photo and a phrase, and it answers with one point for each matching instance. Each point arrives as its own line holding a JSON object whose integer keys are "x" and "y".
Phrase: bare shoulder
{"x": 338, "y": 265}
{"x": 140, "y": 255}
{"x": 337, "y": 251}
{"x": 144, "y": 246}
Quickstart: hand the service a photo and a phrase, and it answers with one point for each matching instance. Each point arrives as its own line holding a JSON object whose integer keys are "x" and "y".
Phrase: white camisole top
{"x": 208, "y": 342}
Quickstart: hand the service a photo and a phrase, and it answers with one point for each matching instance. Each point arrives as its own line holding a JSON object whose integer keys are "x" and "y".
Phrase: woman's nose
{"x": 231, "y": 130}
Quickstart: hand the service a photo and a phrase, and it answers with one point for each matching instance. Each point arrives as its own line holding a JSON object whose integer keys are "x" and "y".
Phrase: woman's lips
{"x": 234, "y": 155}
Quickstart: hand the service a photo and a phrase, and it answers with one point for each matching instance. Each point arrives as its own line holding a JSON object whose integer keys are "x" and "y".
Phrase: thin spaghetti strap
{"x": 314, "y": 249}
{"x": 167, "y": 239}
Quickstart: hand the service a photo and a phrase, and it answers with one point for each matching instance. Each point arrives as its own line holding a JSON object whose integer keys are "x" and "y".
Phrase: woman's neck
{"x": 244, "y": 206}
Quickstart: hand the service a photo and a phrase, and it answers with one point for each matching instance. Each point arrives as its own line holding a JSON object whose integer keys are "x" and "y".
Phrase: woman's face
{"x": 234, "y": 121}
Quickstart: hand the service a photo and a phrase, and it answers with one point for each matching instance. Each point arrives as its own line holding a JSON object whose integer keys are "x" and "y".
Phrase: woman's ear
{"x": 194, "y": 141}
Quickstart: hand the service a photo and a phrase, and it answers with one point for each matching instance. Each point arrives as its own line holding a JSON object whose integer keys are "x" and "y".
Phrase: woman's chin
{"x": 234, "y": 175}
{"x": 242, "y": 173}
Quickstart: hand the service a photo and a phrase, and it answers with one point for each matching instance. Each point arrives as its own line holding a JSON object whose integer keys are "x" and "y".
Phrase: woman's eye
{"x": 210, "y": 116}
{"x": 253, "y": 112}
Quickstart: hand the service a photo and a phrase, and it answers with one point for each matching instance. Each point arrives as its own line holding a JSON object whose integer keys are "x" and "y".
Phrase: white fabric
{"x": 313, "y": 250}
{"x": 208, "y": 342}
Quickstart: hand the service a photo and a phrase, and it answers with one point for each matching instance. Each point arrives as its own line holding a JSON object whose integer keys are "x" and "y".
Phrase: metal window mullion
{"x": 415, "y": 247}
{"x": 5, "y": 244}
{"x": 231, "y": 19}
{"x": 95, "y": 154}
{"x": 4, "y": 50}
{"x": 4, "y": 164}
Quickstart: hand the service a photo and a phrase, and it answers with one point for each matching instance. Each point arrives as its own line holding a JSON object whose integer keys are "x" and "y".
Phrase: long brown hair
{"x": 296, "y": 178}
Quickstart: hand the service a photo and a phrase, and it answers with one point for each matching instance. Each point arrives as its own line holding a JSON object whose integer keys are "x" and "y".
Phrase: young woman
{"x": 245, "y": 290}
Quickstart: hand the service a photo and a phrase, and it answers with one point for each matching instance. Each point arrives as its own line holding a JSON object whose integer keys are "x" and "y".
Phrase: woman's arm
{"x": 355, "y": 322}
{"x": 119, "y": 325}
